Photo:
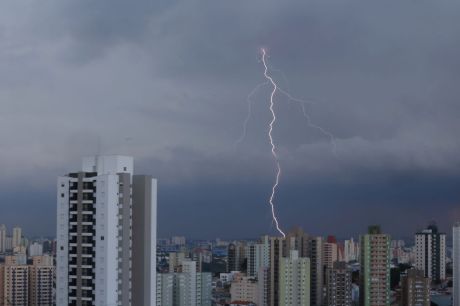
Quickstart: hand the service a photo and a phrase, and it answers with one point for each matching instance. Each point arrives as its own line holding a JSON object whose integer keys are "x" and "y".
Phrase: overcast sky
{"x": 167, "y": 82}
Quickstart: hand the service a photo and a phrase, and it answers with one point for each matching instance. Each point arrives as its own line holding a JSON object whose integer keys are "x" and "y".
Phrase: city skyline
{"x": 178, "y": 75}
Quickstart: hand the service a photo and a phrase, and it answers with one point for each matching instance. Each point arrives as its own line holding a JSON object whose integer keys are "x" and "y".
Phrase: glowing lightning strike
{"x": 275, "y": 156}
{"x": 248, "y": 116}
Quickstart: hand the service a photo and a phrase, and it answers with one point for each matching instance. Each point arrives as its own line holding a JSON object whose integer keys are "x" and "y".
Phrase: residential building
{"x": 15, "y": 280}
{"x": 258, "y": 256}
{"x": 276, "y": 254}
{"x": 244, "y": 289}
{"x": 415, "y": 288}
{"x": 35, "y": 249}
{"x": 330, "y": 254}
{"x": 315, "y": 253}
{"x": 351, "y": 250}
{"x": 17, "y": 237}
{"x": 2, "y": 238}
{"x": 192, "y": 288}
{"x": 41, "y": 281}
{"x": 430, "y": 247}
{"x": 298, "y": 240}
{"x": 106, "y": 235}
{"x": 294, "y": 284}
{"x": 178, "y": 240}
{"x": 339, "y": 285}
{"x": 165, "y": 289}
{"x": 375, "y": 268}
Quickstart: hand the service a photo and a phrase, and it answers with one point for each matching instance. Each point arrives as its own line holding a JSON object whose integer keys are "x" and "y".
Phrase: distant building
{"x": 258, "y": 256}
{"x": 263, "y": 286}
{"x": 315, "y": 253}
{"x": 338, "y": 285}
{"x": 17, "y": 237}
{"x": 9, "y": 243}
{"x": 165, "y": 289}
{"x": 244, "y": 289}
{"x": 178, "y": 240}
{"x": 14, "y": 276}
{"x": 351, "y": 250}
{"x": 298, "y": 240}
{"x": 276, "y": 254}
{"x": 431, "y": 253}
{"x": 294, "y": 284}
{"x": 375, "y": 268}
{"x": 456, "y": 264}
{"x": 330, "y": 254}
{"x": 2, "y": 238}
{"x": 35, "y": 249}
{"x": 41, "y": 281}
{"x": 236, "y": 255}
{"x": 415, "y": 288}
{"x": 192, "y": 288}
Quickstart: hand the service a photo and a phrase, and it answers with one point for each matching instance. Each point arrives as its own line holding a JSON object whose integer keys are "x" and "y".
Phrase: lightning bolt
{"x": 273, "y": 150}
{"x": 248, "y": 116}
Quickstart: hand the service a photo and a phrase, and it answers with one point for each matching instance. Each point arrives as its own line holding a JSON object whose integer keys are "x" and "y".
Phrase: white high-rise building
{"x": 2, "y": 238}
{"x": 294, "y": 280}
{"x": 351, "y": 250}
{"x": 430, "y": 246}
{"x": 106, "y": 235}
{"x": 165, "y": 289}
{"x": 456, "y": 262}
{"x": 17, "y": 237}
{"x": 35, "y": 249}
{"x": 258, "y": 256}
{"x": 192, "y": 288}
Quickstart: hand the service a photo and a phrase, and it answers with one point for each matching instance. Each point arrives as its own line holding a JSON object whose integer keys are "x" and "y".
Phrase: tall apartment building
{"x": 415, "y": 288}
{"x": 263, "y": 288}
{"x": 430, "y": 246}
{"x": 258, "y": 256}
{"x": 192, "y": 288}
{"x": 165, "y": 289}
{"x": 351, "y": 250}
{"x": 244, "y": 289}
{"x": 15, "y": 279}
{"x": 298, "y": 240}
{"x": 276, "y": 254}
{"x": 375, "y": 268}
{"x": 456, "y": 264}
{"x": 41, "y": 281}
{"x": 2, "y": 238}
{"x": 339, "y": 285}
{"x": 330, "y": 254}
{"x": 294, "y": 284}
{"x": 106, "y": 235}
{"x": 236, "y": 256}
{"x": 17, "y": 237}
{"x": 315, "y": 253}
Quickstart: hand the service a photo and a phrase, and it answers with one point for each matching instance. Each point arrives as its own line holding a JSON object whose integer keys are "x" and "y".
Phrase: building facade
{"x": 375, "y": 268}
{"x": 430, "y": 248}
{"x": 106, "y": 235}
{"x": 339, "y": 285}
{"x": 415, "y": 288}
{"x": 294, "y": 284}
{"x": 315, "y": 253}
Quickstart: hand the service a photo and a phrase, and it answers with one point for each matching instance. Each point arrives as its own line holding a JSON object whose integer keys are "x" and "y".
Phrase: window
{"x": 102, "y": 237}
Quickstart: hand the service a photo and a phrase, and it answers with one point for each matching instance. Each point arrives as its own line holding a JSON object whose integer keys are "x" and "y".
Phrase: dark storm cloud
{"x": 167, "y": 81}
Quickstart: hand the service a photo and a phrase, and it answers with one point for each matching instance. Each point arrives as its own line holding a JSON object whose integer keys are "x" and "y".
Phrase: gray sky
{"x": 167, "y": 82}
